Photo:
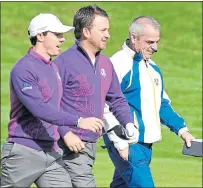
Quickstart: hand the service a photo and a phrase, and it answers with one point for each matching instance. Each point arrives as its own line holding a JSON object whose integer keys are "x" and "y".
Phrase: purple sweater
{"x": 35, "y": 95}
{"x": 86, "y": 88}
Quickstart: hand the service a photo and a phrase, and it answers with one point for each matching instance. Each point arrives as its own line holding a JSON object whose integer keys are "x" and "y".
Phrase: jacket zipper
{"x": 154, "y": 92}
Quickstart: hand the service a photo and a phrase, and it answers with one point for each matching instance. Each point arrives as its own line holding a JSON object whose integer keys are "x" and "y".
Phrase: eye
{"x": 150, "y": 42}
{"x": 59, "y": 35}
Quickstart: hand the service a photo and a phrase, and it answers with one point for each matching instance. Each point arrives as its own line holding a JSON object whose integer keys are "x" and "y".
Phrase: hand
{"x": 133, "y": 133}
{"x": 92, "y": 123}
{"x": 124, "y": 153}
{"x": 73, "y": 142}
{"x": 187, "y": 137}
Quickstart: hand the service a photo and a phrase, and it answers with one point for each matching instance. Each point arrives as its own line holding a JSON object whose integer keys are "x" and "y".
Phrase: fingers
{"x": 124, "y": 153}
{"x": 77, "y": 147}
{"x": 97, "y": 126}
{"x": 188, "y": 143}
{"x": 100, "y": 122}
{"x": 91, "y": 123}
{"x": 124, "y": 157}
{"x": 73, "y": 142}
{"x": 74, "y": 148}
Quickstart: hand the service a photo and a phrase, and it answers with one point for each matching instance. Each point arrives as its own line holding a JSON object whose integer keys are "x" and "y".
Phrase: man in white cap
{"x": 31, "y": 153}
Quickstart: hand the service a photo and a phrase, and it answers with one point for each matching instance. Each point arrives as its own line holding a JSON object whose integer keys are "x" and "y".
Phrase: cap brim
{"x": 63, "y": 29}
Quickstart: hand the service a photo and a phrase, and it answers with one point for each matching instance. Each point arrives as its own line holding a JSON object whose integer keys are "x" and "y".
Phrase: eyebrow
{"x": 151, "y": 41}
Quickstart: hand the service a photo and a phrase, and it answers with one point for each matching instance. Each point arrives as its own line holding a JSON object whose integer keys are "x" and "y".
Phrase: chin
{"x": 102, "y": 47}
{"x": 57, "y": 53}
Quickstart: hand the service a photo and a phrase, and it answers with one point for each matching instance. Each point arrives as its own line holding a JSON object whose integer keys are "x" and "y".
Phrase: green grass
{"x": 179, "y": 57}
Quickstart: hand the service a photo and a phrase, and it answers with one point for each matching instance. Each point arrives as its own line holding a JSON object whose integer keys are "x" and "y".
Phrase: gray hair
{"x": 138, "y": 24}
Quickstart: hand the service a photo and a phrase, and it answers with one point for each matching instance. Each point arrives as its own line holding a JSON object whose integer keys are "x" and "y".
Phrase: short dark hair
{"x": 33, "y": 40}
{"x": 84, "y": 17}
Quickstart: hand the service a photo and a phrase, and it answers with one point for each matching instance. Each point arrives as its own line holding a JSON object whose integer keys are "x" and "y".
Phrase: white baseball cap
{"x": 47, "y": 22}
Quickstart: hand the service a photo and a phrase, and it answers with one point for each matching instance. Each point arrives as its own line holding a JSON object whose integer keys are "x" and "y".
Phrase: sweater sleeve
{"x": 28, "y": 91}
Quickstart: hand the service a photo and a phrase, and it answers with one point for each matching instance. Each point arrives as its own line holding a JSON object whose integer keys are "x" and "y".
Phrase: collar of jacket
{"x": 83, "y": 51}
{"x": 135, "y": 56}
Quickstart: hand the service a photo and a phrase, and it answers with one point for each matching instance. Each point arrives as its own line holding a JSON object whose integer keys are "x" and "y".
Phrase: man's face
{"x": 52, "y": 42}
{"x": 99, "y": 33}
{"x": 148, "y": 43}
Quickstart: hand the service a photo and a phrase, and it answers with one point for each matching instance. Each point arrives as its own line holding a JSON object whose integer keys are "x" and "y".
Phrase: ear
{"x": 40, "y": 37}
{"x": 86, "y": 32}
{"x": 133, "y": 38}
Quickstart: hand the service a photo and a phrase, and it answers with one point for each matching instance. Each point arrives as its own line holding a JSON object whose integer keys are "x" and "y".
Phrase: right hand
{"x": 92, "y": 123}
{"x": 73, "y": 142}
{"x": 124, "y": 153}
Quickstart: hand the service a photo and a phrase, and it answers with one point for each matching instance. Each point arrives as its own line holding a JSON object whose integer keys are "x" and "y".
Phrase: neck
{"x": 91, "y": 51}
{"x": 130, "y": 45}
{"x": 41, "y": 51}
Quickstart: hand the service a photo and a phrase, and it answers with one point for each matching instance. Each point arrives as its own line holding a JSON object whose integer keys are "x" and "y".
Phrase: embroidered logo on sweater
{"x": 83, "y": 104}
{"x": 46, "y": 91}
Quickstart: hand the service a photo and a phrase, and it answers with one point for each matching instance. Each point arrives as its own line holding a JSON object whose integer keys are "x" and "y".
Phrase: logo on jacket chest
{"x": 58, "y": 76}
{"x": 156, "y": 81}
{"x": 103, "y": 72}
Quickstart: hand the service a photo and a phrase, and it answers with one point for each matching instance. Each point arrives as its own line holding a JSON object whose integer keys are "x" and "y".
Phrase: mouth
{"x": 58, "y": 47}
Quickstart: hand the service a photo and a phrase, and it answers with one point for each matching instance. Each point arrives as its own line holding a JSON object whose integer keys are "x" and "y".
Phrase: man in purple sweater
{"x": 31, "y": 153}
{"x": 89, "y": 80}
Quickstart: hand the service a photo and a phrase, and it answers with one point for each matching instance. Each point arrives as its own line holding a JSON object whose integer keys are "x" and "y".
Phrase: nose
{"x": 107, "y": 35}
{"x": 155, "y": 47}
{"x": 62, "y": 39}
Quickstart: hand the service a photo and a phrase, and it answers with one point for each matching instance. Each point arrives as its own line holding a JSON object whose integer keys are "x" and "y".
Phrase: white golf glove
{"x": 132, "y": 133}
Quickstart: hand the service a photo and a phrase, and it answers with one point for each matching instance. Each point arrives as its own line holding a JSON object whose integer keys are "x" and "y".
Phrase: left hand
{"x": 124, "y": 153}
{"x": 187, "y": 137}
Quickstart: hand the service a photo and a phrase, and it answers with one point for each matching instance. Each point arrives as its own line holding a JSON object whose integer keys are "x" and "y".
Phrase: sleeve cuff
{"x": 63, "y": 130}
{"x": 182, "y": 130}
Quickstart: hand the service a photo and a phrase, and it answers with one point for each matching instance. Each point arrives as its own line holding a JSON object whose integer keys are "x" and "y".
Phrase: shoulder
{"x": 105, "y": 58}
{"x": 119, "y": 56}
{"x": 66, "y": 56}
{"x": 21, "y": 69}
{"x": 122, "y": 62}
{"x": 24, "y": 63}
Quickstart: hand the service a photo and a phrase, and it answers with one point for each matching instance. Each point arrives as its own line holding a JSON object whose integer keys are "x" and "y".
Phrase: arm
{"x": 118, "y": 104}
{"x": 33, "y": 100}
{"x": 111, "y": 120}
{"x": 169, "y": 117}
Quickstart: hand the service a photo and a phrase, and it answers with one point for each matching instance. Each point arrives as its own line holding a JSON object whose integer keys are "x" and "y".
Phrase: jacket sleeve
{"x": 110, "y": 118}
{"x": 64, "y": 74}
{"x": 117, "y": 102}
{"x": 28, "y": 91}
{"x": 169, "y": 117}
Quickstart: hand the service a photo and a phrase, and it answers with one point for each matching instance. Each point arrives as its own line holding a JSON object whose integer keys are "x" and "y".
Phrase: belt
{"x": 147, "y": 145}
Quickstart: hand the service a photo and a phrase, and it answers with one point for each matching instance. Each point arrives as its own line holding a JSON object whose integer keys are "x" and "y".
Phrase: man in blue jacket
{"x": 142, "y": 84}
{"x": 89, "y": 80}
